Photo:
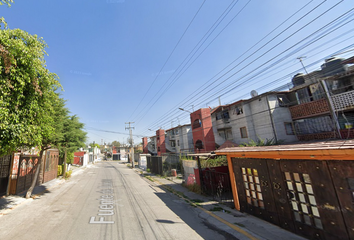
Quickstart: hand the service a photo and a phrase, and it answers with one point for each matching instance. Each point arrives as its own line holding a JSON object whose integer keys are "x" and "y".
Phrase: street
{"x": 106, "y": 201}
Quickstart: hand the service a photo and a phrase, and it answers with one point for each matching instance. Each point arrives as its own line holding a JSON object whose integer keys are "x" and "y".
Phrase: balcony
{"x": 310, "y": 109}
{"x": 343, "y": 101}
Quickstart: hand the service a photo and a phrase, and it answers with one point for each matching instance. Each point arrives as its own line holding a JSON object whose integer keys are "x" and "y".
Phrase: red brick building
{"x": 160, "y": 142}
{"x": 145, "y": 145}
{"x": 202, "y": 129}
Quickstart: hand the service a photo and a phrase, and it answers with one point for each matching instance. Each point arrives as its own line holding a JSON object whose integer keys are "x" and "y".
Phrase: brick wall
{"x": 318, "y": 136}
{"x": 145, "y": 145}
{"x": 309, "y": 109}
{"x": 205, "y": 132}
{"x": 160, "y": 142}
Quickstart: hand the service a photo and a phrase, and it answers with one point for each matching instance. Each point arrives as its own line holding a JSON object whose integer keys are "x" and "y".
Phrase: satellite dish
{"x": 254, "y": 93}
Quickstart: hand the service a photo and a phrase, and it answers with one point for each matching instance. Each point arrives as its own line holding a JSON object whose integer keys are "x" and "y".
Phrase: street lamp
{"x": 184, "y": 110}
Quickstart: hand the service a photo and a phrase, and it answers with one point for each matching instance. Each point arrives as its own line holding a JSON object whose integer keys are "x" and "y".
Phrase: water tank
{"x": 298, "y": 79}
{"x": 333, "y": 66}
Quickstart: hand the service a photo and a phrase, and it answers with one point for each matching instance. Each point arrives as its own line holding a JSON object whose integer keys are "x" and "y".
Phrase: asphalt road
{"x": 106, "y": 201}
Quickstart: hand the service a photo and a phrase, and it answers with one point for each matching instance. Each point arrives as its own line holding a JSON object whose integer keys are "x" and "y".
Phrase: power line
{"x": 190, "y": 23}
{"x": 195, "y": 95}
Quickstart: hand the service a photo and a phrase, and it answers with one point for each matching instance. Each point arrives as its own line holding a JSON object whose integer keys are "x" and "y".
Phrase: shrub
{"x": 68, "y": 174}
{"x": 60, "y": 170}
{"x": 194, "y": 188}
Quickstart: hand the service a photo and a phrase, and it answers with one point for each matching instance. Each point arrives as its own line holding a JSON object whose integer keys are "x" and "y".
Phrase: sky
{"x": 123, "y": 61}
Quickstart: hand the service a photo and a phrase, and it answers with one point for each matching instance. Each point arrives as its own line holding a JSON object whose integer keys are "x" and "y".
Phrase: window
{"x": 252, "y": 187}
{"x": 302, "y": 199}
{"x": 177, "y": 142}
{"x": 243, "y": 132}
{"x": 225, "y": 114}
{"x": 173, "y": 143}
{"x": 289, "y": 128}
{"x": 197, "y": 123}
{"x": 225, "y": 133}
{"x": 238, "y": 110}
{"x": 199, "y": 144}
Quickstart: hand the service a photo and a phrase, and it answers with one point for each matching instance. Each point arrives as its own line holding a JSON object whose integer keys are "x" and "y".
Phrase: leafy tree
{"x": 7, "y": 2}
{"x": 52, "y": 134}
{"x": 94, "y": 145}
{"x": 116, "y": 143}
{"x": 27, "y": 91}
{"x": 73, "y": 137}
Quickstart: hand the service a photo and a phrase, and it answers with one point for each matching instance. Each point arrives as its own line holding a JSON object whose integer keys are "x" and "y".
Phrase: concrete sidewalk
{"x": 220, "y": 216}
{"x": 7, "y": 203}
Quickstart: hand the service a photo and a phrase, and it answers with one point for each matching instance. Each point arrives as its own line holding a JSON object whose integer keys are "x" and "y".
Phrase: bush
{"x": 60, "y": 170}
{"x": 68, "y": 174}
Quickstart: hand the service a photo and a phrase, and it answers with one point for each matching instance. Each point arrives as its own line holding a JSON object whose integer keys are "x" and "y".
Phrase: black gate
{"x": 217, "y": 184}
{"x": 299, "y": 195}
{"x": 5, "y": 162}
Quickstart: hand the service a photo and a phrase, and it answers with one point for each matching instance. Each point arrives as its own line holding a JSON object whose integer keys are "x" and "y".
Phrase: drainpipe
{"x": 272, "y": 121}
{"x": 331, "y": 108}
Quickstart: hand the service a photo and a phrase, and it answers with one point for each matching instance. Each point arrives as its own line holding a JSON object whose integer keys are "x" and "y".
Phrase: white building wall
{"x": 261, "y": 121}
{"x": 280, "y": 115}
{"x": 86, "y": 159}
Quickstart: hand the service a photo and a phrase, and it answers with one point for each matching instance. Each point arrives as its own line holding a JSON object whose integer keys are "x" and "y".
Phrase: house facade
{"x": 322, "y": 105}
{"x": 261, "y": 117}
{"x": 179, "y": 139}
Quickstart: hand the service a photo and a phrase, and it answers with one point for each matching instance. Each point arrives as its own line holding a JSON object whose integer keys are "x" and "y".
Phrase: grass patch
{"x": 216, "y": 209}
{"x": 150, "y": 178}
{"x": 239, "y": 224}
{"x": 197, "y": 200}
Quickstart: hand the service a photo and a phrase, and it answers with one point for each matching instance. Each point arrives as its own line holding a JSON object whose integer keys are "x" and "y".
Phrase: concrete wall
{"x": 188, "y": 170}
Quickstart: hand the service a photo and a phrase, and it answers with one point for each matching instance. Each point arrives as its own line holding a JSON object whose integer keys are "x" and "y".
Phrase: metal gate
{"x": 5, "y": 162}
{"x": 299, "y": 195}
{"x": 26, "y": 171}
{"x": 218, "y": 185}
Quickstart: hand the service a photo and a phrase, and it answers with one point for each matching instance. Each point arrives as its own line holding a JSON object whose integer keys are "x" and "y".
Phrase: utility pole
{"x": 300, "y": 59}
{"x": 131, "y": 142}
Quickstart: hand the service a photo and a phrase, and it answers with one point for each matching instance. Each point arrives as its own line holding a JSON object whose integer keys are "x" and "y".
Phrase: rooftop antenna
{"x": 300, "y": 59}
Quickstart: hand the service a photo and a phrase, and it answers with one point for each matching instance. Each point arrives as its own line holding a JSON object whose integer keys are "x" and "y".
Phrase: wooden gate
{"x": 5, "y": 162}
{"x": 298, "y": 195}
{"x": 51, "y": 165}
{"x": 27, "y": 168}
